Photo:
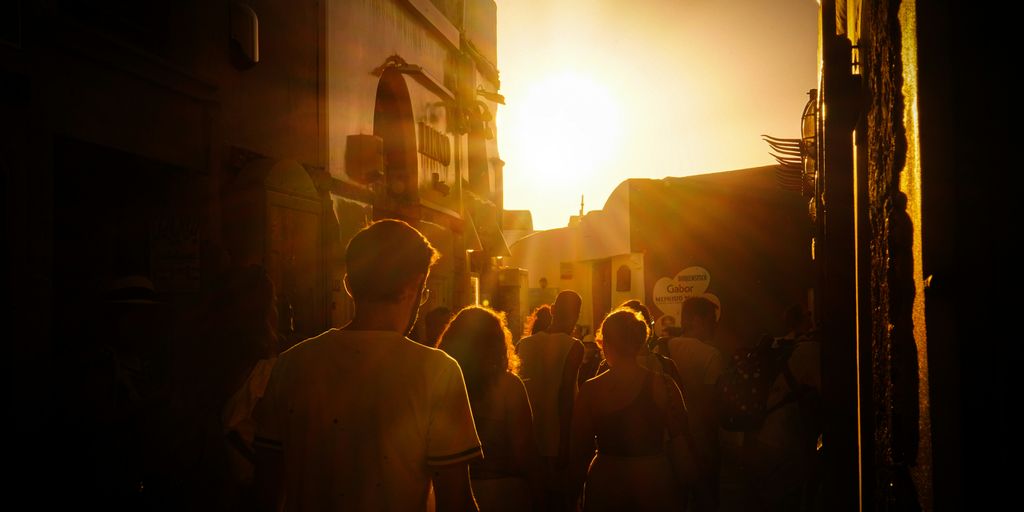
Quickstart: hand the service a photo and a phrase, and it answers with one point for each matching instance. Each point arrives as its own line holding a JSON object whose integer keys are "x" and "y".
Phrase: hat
{"x": 130, "y": 290}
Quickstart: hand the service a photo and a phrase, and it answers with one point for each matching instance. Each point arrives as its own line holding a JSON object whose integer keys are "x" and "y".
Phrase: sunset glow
{"x": 599, "y": 91}
{"x": 571, "y": 124}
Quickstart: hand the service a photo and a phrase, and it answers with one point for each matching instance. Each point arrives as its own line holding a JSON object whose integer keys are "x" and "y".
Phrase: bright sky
{"x": 599, "y": 91}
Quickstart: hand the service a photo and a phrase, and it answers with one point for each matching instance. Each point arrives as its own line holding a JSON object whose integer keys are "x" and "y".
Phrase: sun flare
{"x": 564, "y": 128}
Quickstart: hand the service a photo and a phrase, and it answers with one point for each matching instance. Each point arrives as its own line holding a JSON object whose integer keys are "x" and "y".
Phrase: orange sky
{"x": 599, "y": 91}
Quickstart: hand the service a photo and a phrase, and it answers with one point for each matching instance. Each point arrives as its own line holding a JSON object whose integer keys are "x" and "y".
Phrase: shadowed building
{"x": 749, "y": 238}
{"x": 173, "y": 140}
{"x": 914, "y": 116}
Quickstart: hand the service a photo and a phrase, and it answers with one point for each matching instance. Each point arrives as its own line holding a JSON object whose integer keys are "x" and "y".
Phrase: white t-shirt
{"x": 542, "y": 357}
{"x": 361, "y": 417}
{"x": 698, "y": 363}
{"x": 699, "y": 366}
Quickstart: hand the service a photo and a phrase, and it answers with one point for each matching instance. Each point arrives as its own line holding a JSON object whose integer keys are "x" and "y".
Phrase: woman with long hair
{"x": 539, "y": 320}
{"x": 508, "y": 477}
{"x": 635, "y": 420}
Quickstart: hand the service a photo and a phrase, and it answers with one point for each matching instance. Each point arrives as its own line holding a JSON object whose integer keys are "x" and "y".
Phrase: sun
{"x": 562, "y": 129}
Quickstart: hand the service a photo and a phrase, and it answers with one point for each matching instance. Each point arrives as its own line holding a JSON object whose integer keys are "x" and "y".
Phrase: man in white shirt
{"x": 363, "y": 418}
{"x": 699, "y": 365}
{"x": 550, "y": 364}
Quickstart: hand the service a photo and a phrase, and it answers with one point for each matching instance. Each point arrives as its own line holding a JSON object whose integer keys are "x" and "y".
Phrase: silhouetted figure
{"x": 779, "y": 458}
{"x": 538, "y": 321}
{"x": 123, "y": 380}
{"x": 363, "y": 418}
{"x": 699, "y": 365}
{"x": 648, "y": 357}
{"x": 632, "y": 413}
{"x": 509, "y": 477}
{"x": 205, "y": 432}
{"x": 550, "y": 366}
{"x": 665, "y": 324}
{"x": 255, "y": 344}
{"x": 592, "y": 359}
{"x": 434, "y": 324}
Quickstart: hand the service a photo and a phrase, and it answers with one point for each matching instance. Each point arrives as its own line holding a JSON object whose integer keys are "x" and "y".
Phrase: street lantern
{"x": 808, "y": 143}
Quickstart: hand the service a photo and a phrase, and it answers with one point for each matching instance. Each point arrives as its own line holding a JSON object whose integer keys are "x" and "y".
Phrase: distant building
{"x": 735, "y": 234}
{"x": 516, "y": 224}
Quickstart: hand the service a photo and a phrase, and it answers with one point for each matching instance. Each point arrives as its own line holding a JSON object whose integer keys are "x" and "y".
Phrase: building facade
{"x": 904, "y": 207}
{"x": 178, "y": 140}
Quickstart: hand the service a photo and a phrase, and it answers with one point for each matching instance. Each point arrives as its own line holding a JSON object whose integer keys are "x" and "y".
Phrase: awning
{"x": 472, "y": 236}
{"x": 483, "y": 220}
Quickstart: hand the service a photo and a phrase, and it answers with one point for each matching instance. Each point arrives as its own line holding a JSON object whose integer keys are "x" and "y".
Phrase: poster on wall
{"x": 670, "y": 292}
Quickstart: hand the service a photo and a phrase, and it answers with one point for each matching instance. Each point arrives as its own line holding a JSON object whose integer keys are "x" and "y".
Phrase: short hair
{"x": 698, "y": 308}
{"x": 383, "y": 258}
{"x": 566, "y": 310}
{"x": 479, "y": 339}
{"x": 623, "y": 332}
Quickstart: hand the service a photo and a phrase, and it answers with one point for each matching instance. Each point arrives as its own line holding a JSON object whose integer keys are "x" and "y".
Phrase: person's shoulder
{"x": 309, "y": 345}
{"x": 510, "y": 382}
{"x": 418, "y": 350}
{"x": 683, "y": 342}
{"x": 526, "y": 341}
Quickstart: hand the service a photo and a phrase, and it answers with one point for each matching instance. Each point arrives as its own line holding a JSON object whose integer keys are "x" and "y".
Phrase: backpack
{"x": 742, "y": 389}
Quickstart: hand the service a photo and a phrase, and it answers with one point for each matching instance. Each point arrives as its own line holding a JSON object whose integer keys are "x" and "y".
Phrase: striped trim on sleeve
{"x": 463, "y": 456}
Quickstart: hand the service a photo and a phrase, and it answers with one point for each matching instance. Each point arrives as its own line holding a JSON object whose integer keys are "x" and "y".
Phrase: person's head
{"x": 639, "y": 307}
{"x": 622, "y": 335}
{"x": 665, "y": 324}
{"x": 797, "y": 320}
{"x": 479, "y": 339}
{"x": 565, "y": 311}
{"x": 539, "y": 320}
{"x": 543, "y": 282}
{"x": 434, "y": 323}
{"x": 699, "y": 318}
{"x": 387, "y": 265}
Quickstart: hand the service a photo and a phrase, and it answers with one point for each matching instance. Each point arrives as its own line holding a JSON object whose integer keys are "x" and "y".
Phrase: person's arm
{"x": 452, "y": 489}
{"x": 452, "y": 442}
{"x": 581, "y": 442}
{"x": 566, "y": 398}
{"x": 681, "y": 440}
{"x": 269, "y": 458}
{"x": 269, "y": 478}
{"x": 524, "y": 442}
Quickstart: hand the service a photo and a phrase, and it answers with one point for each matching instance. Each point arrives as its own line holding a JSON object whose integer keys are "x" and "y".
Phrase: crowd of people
{"x": 472, "y": 418}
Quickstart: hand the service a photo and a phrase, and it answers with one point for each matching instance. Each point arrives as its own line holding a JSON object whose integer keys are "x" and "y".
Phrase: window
{"x": 623, "y": 279}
